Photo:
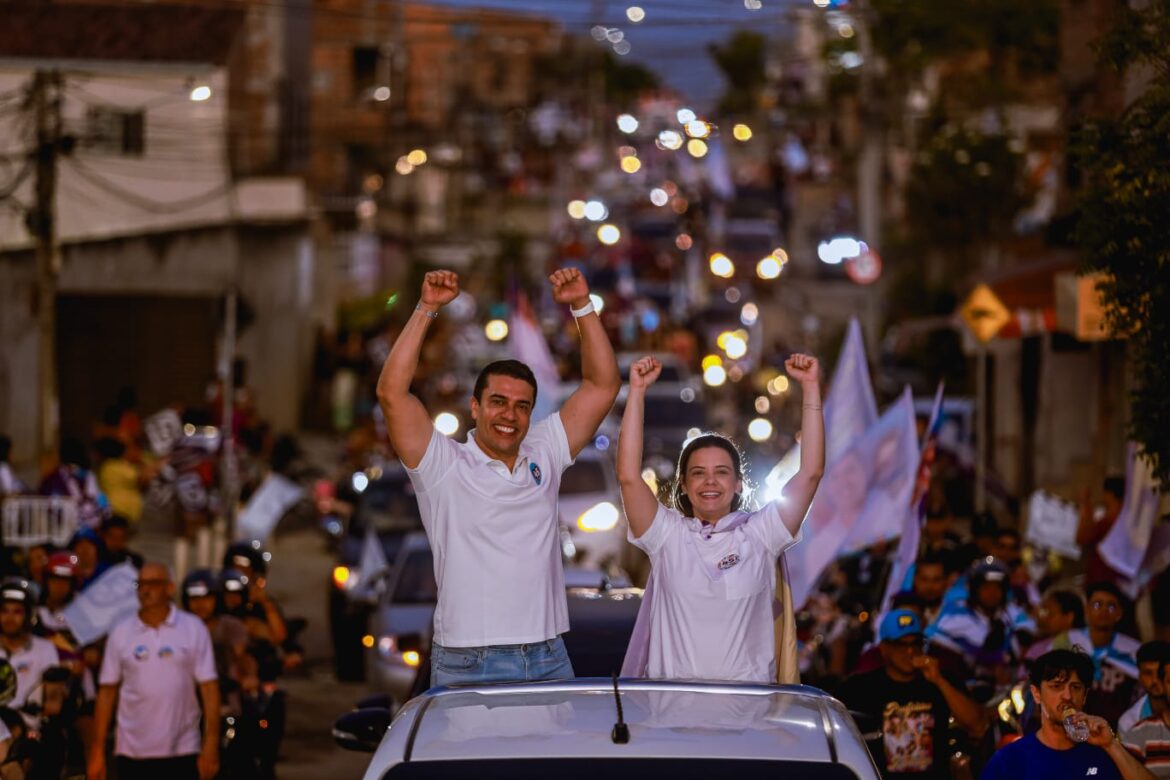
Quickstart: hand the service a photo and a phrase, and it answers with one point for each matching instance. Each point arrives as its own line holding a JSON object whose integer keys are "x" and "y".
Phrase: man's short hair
{"x": 907, "y": 599}
{"x": 1104, "y": 586}
{"x": 512, "y": 368}
{"x": 1154, "y": 651}
{"x": 1060, "y": 664}
{"x": 1069, "y": 601}
{"x": 937, "y": 559}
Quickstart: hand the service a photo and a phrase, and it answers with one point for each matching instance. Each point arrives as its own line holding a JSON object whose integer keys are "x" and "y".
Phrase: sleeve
{"x": 549, "y": 437}
{"x": 436, "y": 461}
{"x": 204, "y": 656}
{"x": 768, "y": 527}
{"x": 664, "y": 523}
{"x": 111, "y": 672}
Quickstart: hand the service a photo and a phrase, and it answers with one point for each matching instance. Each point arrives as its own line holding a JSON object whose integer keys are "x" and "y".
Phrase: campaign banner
{"x": 108, "y": 600}
{"x": 1052, "y": 524}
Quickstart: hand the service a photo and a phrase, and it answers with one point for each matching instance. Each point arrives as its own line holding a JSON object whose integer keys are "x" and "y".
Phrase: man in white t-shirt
{"x": 154, "y": 662}
{"x": 29, "y": 655}
{"x": 489, "y": 505}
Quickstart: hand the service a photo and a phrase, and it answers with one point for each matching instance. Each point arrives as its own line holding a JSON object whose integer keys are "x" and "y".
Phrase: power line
{"x": 172, "y": 207}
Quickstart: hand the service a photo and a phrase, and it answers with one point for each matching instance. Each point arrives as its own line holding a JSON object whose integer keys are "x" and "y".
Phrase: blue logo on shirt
{"x": 165, "y": 651}
{"x": 535, "y": 472}
{"x": 141, "y": 652}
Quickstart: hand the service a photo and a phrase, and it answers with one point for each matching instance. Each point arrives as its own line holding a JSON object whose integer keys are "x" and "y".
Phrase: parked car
{"x": 671, "y": 416}
{"x": 385, "y": 505}
{"x": 615, "y": 729}
{"x": 590, "y": 509}
{"x": 602, "y": 610}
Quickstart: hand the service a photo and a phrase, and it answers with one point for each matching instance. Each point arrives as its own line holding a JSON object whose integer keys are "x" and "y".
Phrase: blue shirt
{"x": 1030, "y": 758}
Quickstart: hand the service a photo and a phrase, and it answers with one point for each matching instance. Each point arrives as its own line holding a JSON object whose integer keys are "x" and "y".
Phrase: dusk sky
{"x": 672, "y": 38}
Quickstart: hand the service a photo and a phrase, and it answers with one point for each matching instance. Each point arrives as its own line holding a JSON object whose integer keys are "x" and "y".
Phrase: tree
{"x": 1122, "y": 218}
{"x": 742, "y": 61}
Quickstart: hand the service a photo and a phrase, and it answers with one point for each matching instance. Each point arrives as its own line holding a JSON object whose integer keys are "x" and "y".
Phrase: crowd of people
{"x": 183, "y": 683}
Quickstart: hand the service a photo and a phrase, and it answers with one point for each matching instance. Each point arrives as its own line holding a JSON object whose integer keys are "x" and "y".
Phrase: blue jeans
{"x": 546, "y": 660}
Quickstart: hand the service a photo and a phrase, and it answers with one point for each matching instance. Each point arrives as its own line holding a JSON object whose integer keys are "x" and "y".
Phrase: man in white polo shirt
{"x": 153, "y": 663}
{"x": 489, "y": 505}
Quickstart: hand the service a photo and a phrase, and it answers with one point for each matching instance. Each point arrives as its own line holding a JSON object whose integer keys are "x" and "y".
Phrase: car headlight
{"x": 390, "y": 651}
{"x": 599, "y": 517}
{"x": 345, "y": 577}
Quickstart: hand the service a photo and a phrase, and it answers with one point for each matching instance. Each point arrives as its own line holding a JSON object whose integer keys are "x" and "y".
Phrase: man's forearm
{"x": 209, "y": 692}
{"x": 970, "y": 715}
{"x": 103, "y": 713}
{"x": 1127, "y": 764}
{"x": 402, "y": 362}
{"x": 598, "y": 364}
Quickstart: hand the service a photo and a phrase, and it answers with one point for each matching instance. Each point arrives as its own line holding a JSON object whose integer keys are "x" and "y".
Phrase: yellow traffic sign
{"x": 984, "y": 313}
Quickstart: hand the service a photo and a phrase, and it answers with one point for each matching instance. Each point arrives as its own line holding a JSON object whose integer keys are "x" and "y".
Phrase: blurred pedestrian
{"x": 489, "y": 504}
{"x": 1114, "y": 685}
{"x": 910, "y": 703}
{"x": 119, "y": 479}
{"x": 1095, "y": 523}
{"x": 29, "y": 655}
{"x": 1060, "y": 611}
{"x": 1059, "y": 683}
{"x": 153, "y": 663}
{"x": 9, "y": 484}
{"x": 73, "y": 479}
{"x": 708, "y": 612}
{"x": 1149, "y": 738}
{"x": 1150, "y": 658}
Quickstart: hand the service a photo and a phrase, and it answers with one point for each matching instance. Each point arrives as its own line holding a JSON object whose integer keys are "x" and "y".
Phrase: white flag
{"x": 372, "y": 566}
{"x": 915, "y": 510}
{"x": 1136, "y": 547}
{"x": 267, "y": 505}
{"x": 850, "y": 409}
{"x": 108, "y": 600}
{"x": 527, "y": 344}
{"x": 862, "y": 499}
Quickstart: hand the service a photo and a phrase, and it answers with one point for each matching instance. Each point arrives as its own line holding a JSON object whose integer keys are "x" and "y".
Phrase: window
{"x": 416, "y": 583}
{"x": 618, "y": 769}
{"x": 116, "y": 131}
{"x": 365, "y": 70}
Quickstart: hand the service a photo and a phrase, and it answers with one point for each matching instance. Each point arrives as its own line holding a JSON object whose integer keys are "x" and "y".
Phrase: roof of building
{"x": 130, "y": 33}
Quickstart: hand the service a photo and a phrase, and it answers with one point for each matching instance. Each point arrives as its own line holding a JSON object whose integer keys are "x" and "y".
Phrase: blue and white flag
{"x": 863, "y": 498}
{"x": 1136, "y": 547}
{"x": 109, "y": 599}
{"x": 371, "y": 567}
{"x": 275, "y": 496}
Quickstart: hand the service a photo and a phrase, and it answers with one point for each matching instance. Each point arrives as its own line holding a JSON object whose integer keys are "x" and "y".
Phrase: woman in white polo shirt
{"x": 708, "y": 611}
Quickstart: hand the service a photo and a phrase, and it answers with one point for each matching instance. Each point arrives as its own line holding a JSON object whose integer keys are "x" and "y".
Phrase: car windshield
{"x": 388, "y": 504}
{"x": 617, "y": 769}
{"x": 584, "y": 476}
{"x": 416, "y": 583}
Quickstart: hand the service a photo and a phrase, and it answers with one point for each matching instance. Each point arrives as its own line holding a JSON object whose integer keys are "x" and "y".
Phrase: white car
{"x": 589, "y": 507}
{"x": 613, "y": 729}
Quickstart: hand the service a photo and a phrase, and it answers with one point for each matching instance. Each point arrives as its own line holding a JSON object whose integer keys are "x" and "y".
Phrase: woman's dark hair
{"x": 512, "y": 368}
{"x": 1059, "y": 664}
{"x": 680, "y": 500}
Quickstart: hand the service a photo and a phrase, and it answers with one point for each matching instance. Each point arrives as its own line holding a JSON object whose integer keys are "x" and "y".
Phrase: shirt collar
{"x": 170, "y": 620}
{"x": 728, "y": 522}
{"x": 483, "y": 457}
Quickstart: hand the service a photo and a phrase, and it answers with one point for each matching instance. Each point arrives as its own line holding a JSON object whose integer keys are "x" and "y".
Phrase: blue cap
{"x": 899, "y": 623}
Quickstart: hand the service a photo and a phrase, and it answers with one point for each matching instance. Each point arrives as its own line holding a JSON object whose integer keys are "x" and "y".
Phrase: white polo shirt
{"x": 30, "y": 663}
{"x": 495, "y": 538}
{"x": 157, "y": 670}
{"x": 711, "y": 603}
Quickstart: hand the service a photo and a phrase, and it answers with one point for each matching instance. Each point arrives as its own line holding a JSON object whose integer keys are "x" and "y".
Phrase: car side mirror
{"x": 362, "y": 730}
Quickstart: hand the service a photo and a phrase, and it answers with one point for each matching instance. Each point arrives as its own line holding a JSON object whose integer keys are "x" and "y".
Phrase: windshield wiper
{"x": 621, "y": 732}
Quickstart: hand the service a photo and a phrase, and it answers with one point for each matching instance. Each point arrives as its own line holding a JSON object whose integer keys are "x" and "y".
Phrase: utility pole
{"x": 46, "y": 99}
{"x": 869, "y": 161}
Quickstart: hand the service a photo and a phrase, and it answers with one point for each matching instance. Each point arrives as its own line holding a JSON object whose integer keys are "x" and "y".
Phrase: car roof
{"x": 666, "y": 719}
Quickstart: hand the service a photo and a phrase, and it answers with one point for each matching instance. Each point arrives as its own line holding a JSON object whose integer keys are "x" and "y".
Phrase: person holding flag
{"x": 707, "y": 613}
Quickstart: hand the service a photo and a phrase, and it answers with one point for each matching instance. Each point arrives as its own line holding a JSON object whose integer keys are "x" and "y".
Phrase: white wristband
{"x": 579, "y": 313}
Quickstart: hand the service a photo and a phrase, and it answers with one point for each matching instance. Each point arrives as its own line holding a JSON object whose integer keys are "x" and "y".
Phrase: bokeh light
{"x": 749, "y": 314}
{"x": 635, "y": 14}
{"x": 576, "y": 209}
{"x": 609, "y": 234}
{"x": 627, "y": 123}
{"x": 685, "y": 115}
{"x": 697, "y": 148}
{"x": 658, "y": 196}
{"x": 595, "y": 211}
{"x": 496, "y": 330}
{"x": 722, "y": 266}
{"x": 447, "y": 423}
{"x": 760, "y": 429}
{"x": 714, "y": 376}
{"x": 741, "y": 132}
{"x": 768, "y": 268}
{"x": 416, "y": 157}
{"x": 631, "y": 164}
{"x": 763, "y": 404}
{"x": 711, "y": 360}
